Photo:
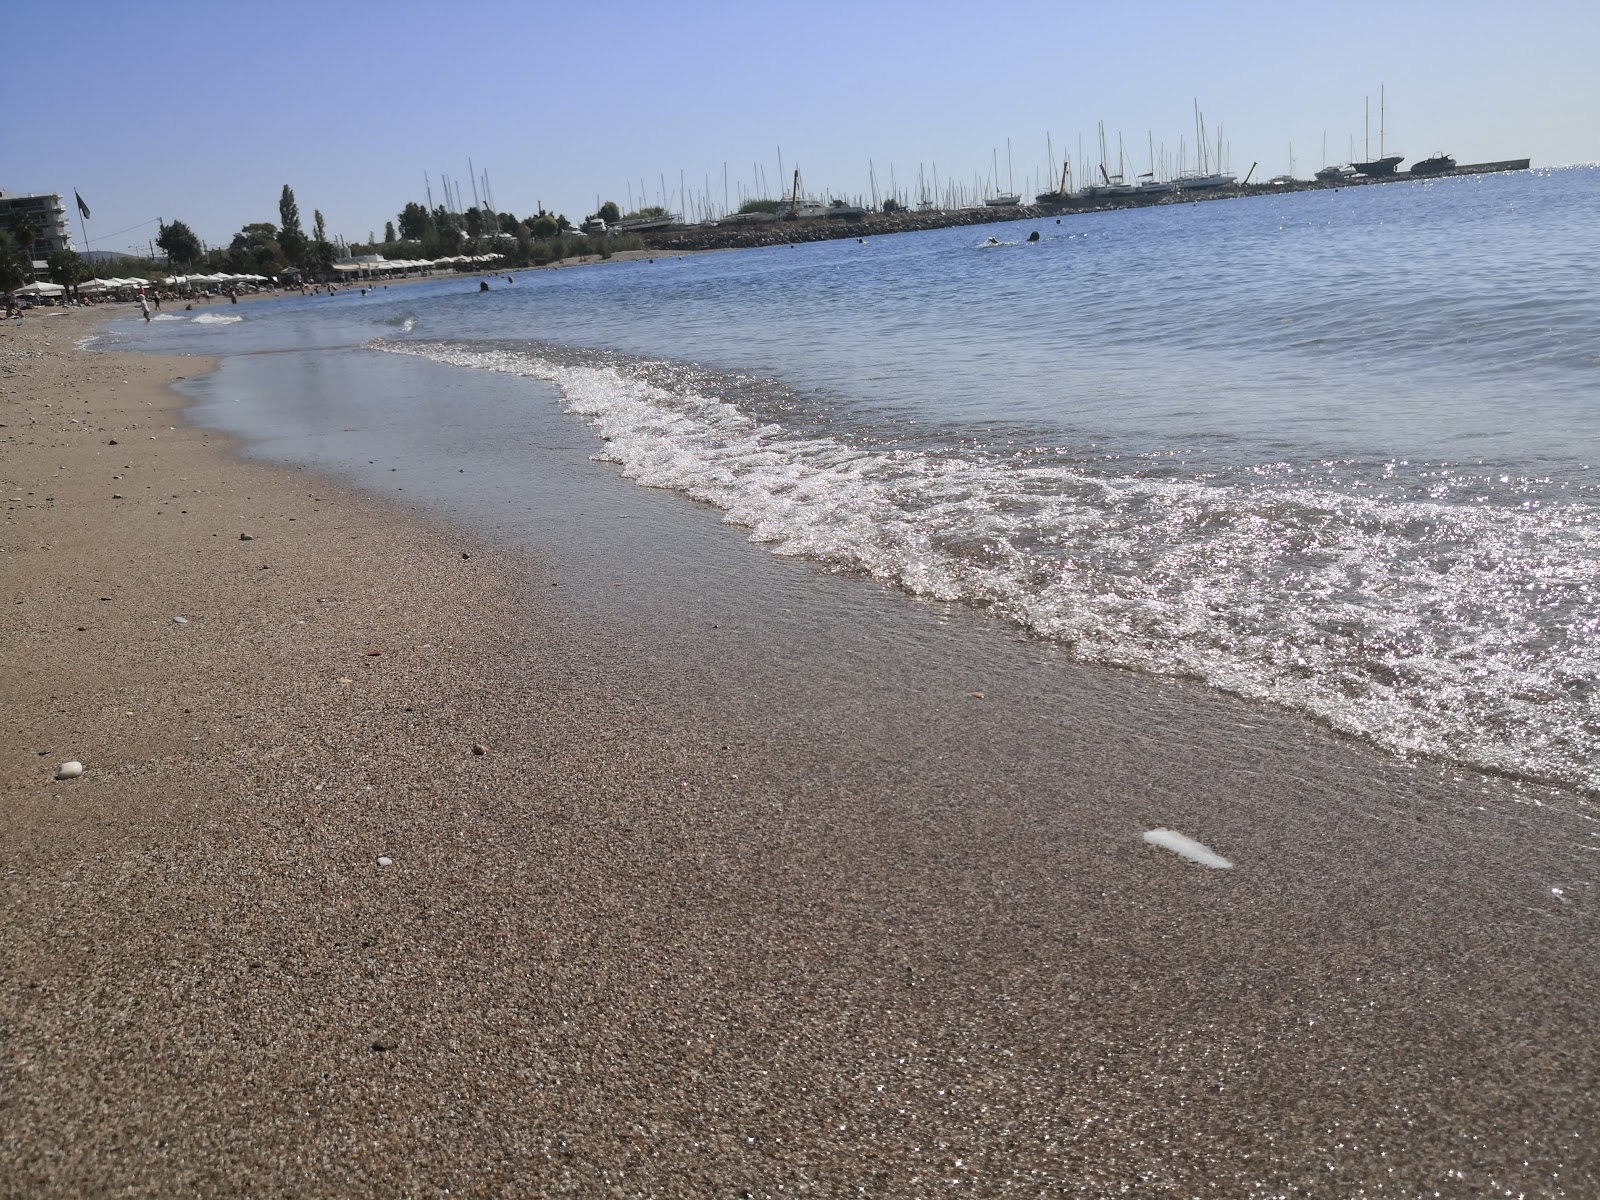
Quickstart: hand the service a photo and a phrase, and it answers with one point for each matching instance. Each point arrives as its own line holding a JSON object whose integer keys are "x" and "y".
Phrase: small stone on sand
{"x": 69, "y": 770}
{"x": 385, "y": 862}
{"x": 479, "y": 748}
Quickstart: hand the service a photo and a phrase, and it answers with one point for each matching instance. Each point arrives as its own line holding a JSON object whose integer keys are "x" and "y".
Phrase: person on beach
{"x": 144, "y": 306}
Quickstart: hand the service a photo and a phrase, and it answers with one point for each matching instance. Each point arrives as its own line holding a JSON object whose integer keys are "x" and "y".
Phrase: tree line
{"x": 265, "y": 248}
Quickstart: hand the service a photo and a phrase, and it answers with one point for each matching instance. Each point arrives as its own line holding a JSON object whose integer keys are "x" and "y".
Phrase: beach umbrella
{"x": 41, "y": 289}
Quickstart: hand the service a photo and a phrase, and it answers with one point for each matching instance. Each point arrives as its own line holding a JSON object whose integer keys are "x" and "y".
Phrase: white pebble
{"x": 1187, "y": 847}
{"x": 386, "y": 862}
{"x": 180, "y": 620}
{"x": 69, "y": 770}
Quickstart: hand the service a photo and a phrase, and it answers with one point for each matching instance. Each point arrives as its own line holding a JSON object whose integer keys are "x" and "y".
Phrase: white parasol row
{"x": 219, "y": 277}
{"x": 415, "y": 264}
{"x": 111, "y": 285}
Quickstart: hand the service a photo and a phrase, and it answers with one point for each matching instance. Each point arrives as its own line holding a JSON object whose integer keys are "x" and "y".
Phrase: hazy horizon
{"x": 351, "y": 106}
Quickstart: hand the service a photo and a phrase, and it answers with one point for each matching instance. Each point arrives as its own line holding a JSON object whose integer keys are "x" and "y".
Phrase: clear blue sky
{"x": 201, "y": 111}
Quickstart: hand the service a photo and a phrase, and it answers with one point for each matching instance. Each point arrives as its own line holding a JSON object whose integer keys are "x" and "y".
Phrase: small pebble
{"x": 69, "y": 770}
{"x": 180, "y": 620}
{"x": 386, "y": 862}
{"x": 247, "y": 537}
{"x": 479, "y": 748}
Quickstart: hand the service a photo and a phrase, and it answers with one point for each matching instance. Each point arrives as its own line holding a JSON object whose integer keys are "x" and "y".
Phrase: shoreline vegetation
{"x": 396, "y": 866}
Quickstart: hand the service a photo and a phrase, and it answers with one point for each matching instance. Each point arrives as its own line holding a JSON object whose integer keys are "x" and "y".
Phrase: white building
{"x": 48, "y": 215}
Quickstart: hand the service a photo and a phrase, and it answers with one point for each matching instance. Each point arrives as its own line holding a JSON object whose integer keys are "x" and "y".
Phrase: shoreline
{"x": 718, "y": 907}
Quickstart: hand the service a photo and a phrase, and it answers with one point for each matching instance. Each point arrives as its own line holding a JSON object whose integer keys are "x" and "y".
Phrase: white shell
{"x": 1187, "y": 847}
{"x": 69, "y": 770}
{"x": 386, "y": 862}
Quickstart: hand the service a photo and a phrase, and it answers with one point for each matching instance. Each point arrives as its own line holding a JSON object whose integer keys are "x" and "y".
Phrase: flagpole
{"x": 82, "y": 228}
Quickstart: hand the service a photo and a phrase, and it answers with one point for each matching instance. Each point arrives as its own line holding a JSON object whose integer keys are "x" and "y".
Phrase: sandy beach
{"x": 401, "y": 866}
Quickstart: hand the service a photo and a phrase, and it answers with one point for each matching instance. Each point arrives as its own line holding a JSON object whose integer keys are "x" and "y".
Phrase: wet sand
{"x": 765, "y": 891}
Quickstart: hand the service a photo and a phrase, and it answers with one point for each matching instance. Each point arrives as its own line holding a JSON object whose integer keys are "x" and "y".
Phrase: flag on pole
{"x": 83, "y": 208}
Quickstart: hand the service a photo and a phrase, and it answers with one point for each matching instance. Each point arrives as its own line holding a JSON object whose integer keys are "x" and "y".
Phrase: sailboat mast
{"x": 1382, "y": 105}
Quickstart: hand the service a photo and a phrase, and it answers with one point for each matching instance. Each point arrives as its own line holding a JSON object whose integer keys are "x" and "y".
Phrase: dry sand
{"x": 656, "y": 942}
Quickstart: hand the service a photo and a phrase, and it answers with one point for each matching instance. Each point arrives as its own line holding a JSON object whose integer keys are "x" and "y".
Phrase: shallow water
{"x": 1332, "y": 451}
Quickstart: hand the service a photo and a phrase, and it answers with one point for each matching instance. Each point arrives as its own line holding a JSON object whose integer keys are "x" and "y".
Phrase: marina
{"x": 1111, "y": 195}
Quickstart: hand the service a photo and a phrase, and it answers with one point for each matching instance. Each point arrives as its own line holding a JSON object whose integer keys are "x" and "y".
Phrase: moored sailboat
{"x": 1203, "y": 178}
{"x": 1384, "y": 164}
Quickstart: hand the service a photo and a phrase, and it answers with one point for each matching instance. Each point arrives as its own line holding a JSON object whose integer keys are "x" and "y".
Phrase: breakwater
{"x": 734, "y": 235}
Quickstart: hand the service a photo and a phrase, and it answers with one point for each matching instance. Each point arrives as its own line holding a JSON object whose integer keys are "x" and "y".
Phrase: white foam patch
{"x": 216, "y": 319}
{"x": 1464, "y": 631}
{"x": 1187, "y": 847}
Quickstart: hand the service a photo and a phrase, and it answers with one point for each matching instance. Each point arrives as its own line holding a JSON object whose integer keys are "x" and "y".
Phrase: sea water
{"x": 1334, "y": 451}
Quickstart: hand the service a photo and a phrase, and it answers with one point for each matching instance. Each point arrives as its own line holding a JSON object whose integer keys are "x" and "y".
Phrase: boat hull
{"x": 1439, "y": 164}
{"x": 1379, "y": 166}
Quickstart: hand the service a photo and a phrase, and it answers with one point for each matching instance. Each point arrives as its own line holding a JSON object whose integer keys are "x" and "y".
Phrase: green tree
{"x": 474, "y": 222}
{"x": 415, "y": 222}
{"x": 508, "y": 223}
{"x": 13, "y": 274}
{"x": 24, "y": 231}
{"x": 648, "y": 211}
{"x": 67, "y": 269}
{"x": 182, "y": 248}
{"x": 255, "y": 250}
{"x": 609, "y": 212}
{"x": 891, "y": 205}
{"x": 755, "y": 206}
{"x": 388, "y": 231}
{"x": 322, "y": 253}
{"x": 543, "y": 226}
{"x": 291, "y": 239}
{"x": 447, "y": 230}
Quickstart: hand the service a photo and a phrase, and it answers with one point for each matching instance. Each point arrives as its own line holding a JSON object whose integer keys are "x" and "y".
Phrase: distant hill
{"x": 105, "y": 255}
